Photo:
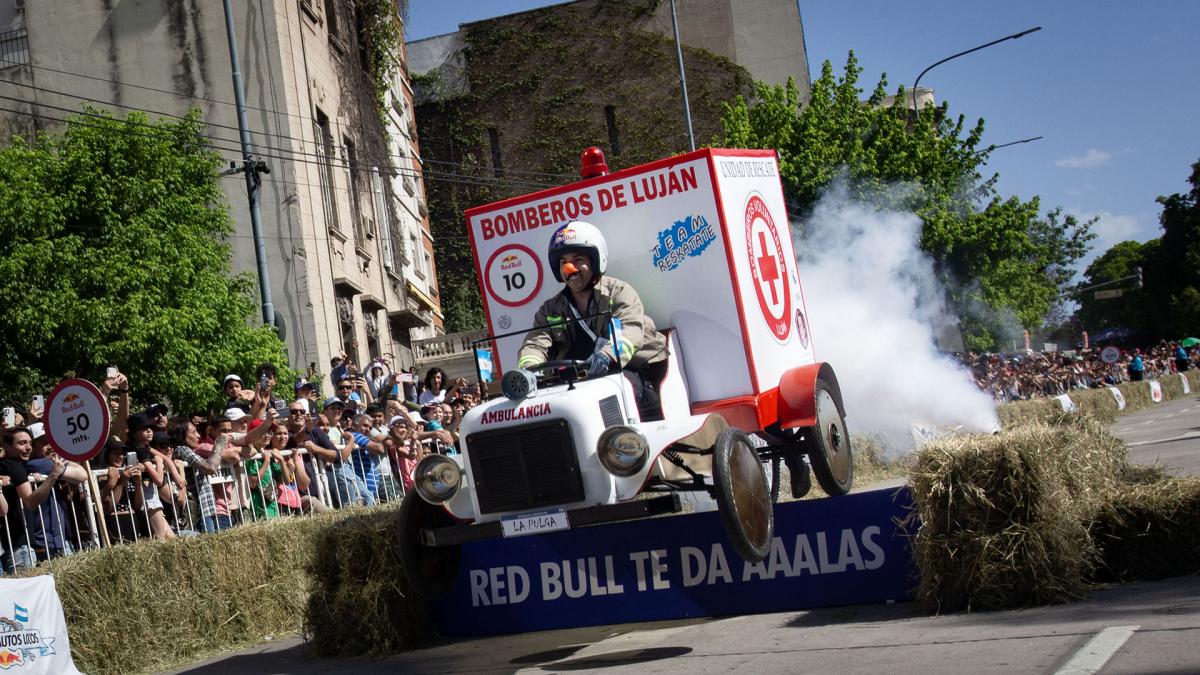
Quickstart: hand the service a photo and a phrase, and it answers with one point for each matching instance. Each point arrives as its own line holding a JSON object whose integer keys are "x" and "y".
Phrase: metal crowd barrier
{"x": 85, "y": 516}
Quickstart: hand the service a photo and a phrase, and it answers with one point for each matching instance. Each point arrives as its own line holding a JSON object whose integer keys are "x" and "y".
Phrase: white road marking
{"x": 1092, "y": 656}
{"x": 1124, "y": 429}
{"x": 1184, "y": 437}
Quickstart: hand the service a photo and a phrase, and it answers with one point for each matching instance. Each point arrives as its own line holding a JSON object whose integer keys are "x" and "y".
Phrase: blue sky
{"x": 1112, "y": 87}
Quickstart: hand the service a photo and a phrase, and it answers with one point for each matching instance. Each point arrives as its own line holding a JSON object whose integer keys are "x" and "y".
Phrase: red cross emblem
{"x": 768, "y": 268}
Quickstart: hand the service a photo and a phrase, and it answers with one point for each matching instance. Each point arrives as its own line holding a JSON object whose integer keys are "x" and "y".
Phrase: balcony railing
{"x": 14, "y": 48}
{"x": 445, "y": 346}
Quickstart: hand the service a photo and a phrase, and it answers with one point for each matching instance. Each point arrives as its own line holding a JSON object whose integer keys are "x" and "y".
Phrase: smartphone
{"x": 39, "y": 401}
{"x": 263, "y": 382}
{"x": 112, "y": 372}
{"x": 10, "y": 417}
{"x": 131, "y": 458}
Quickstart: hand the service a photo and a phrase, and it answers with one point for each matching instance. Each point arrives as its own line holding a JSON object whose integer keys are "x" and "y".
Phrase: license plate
{"x": 520, "y": 524}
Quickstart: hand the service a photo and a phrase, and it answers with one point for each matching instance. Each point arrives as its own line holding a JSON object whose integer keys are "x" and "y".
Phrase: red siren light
{"x": 592, "y": 163}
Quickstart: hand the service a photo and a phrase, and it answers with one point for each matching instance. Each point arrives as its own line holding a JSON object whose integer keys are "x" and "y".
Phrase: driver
{"x": 578, "y": 257}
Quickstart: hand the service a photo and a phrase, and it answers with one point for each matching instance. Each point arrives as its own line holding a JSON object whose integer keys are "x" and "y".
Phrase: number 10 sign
{"x": 77, "y": 419}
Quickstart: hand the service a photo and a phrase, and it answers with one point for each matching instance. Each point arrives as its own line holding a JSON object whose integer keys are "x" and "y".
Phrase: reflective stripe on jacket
{"x": 641, "y": 344}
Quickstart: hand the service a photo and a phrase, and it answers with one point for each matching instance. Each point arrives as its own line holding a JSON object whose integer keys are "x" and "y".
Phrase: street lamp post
{"x": 1005, "y": 145}
{"x": 1014, "y": 36}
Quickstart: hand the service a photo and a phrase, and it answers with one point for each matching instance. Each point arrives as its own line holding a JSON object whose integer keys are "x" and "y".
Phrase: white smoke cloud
{"x": 873, "y": 300}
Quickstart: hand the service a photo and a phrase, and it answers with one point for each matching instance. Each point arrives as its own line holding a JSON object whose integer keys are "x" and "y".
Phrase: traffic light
{"x": 1137, "y": 278}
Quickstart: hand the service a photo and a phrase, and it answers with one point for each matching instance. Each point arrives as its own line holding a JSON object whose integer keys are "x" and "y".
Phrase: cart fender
{"x": 797, "y": 394}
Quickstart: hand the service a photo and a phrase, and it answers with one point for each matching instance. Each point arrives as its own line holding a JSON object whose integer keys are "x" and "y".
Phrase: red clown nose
{"x": 569, "y": 268}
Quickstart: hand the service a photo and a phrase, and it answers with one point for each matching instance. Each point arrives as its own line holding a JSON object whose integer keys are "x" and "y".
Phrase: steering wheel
{"x": 570, "y": 365}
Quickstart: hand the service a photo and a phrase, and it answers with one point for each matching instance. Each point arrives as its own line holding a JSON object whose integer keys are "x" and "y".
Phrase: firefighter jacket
{"x": 640, "y": 342}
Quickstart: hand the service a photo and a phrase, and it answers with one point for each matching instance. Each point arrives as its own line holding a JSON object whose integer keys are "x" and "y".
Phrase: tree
{"x": 114, "y": 251}
{"x": 998, "y": 256}
{"x": 1173, "y": 275}
{"x": 1116, "y": 263}
{"x": 1168, "y": 306}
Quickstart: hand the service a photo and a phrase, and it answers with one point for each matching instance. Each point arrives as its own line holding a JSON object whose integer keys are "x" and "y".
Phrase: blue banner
{"x": 826, "y": 552}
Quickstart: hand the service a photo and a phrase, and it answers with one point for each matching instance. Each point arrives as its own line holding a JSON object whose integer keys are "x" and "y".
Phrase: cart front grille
{"x": 525, "y": 467}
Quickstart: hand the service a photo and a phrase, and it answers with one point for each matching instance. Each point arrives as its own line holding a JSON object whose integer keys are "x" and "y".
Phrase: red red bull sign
{"x": 77, "y": 420}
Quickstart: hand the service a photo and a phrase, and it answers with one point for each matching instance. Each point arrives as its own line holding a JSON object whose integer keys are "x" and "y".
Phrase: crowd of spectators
{"x": 1022, "y": 376}
{"x": 269, "y": 451}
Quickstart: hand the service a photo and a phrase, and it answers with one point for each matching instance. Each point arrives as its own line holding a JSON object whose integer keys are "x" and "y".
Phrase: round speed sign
{"x": 1110, "y": 354}
{"x": 77, "y": 419}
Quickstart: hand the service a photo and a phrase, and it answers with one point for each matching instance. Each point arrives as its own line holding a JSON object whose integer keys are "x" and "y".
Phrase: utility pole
{"x": 687, "y": 109}
{"x": 251, "y": 169}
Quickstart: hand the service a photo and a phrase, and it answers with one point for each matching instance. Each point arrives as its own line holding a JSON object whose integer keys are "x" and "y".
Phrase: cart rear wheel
{"x": 430, "y": 570}
{"x": 828, "y": 445}
{"x": 743, "y": 495}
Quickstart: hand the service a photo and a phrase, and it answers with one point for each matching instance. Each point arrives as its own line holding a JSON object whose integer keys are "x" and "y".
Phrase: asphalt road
{"x": 1167, "y": 434}
{"x": 1136, "y": 628}
{"x": 1148, "y": 627}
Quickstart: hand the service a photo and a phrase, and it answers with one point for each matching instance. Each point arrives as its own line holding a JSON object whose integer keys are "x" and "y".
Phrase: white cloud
{"x": 1090, "y": 160}
{"x": 1114, "y": 228}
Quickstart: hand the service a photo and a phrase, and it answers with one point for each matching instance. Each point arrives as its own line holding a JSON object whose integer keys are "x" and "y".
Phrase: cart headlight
{"x": 622, "y": 450}
{"x": 517, "y": 384}
{"x": 437, "y": 478}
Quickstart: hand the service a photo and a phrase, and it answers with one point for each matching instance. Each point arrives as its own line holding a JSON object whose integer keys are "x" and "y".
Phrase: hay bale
{"x": 1003, "y": 518}
{"x": 1149, "y": 531}
{"x": 154, "y": 604}
{"x": 361, "y": 602}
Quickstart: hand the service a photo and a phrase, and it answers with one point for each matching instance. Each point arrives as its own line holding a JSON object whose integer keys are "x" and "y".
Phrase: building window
{"x": 494, "y": 137}
{"x": 614, "y": 139}
{"x": 331, "y": 17}
{"x": 418, "y": 254}
{"x": 354, "y": 172}
{"x": 325, "y": 169}
{"x": 371, "y": 323}
{"x": 344, "y": 301}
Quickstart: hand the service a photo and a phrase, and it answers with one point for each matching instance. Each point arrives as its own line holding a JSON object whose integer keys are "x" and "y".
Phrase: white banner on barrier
{"x": 1065, "y": 401}
{"x": 33, "y": 632}
{"x": 1187, "y": 388}
{"x": 1156, "y": 391}
{"x": 1119, "y": 396}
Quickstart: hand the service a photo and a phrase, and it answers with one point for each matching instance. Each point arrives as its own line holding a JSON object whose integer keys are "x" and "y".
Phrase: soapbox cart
{"x": 704, "y": 239}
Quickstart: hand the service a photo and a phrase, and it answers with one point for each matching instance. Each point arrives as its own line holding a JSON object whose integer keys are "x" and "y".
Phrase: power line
{"x": 370, "y": 155}
{"x": 215, "y": 124}
{"x": 321, "y": 161}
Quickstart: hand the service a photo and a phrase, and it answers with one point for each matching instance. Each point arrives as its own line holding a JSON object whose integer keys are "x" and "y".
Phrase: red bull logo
{"x": 564, "y": 235}
{"x": 510, "y": 262}
{"x": 71, "y": 402}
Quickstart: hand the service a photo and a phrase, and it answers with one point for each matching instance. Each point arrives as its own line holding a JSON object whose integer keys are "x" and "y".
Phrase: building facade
{"x": 344, "y": 219}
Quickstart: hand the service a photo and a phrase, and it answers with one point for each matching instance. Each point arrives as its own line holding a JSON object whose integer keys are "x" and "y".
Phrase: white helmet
{"x": 586, "y": 238}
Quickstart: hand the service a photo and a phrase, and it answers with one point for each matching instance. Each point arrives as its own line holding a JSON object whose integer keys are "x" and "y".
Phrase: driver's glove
{"x": 598, "y": 363}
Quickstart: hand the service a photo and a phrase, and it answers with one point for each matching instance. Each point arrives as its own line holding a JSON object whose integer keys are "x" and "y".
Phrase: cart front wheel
{"x": 430, "y": 570}
{"x": 743, "y": 495}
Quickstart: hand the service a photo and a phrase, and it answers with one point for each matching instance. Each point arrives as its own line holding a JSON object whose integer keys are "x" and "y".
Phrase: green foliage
{"x": 1117, "y": 262}
{"x": 1000, "y": 256}
{"x": 1168, "y": 306}
{"x": 113, "y": 251}
{"x": 380, "y": 35}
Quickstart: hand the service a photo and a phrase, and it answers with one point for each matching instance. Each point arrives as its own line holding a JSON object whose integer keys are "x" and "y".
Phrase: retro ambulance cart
{"x": 704, "y": 239}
